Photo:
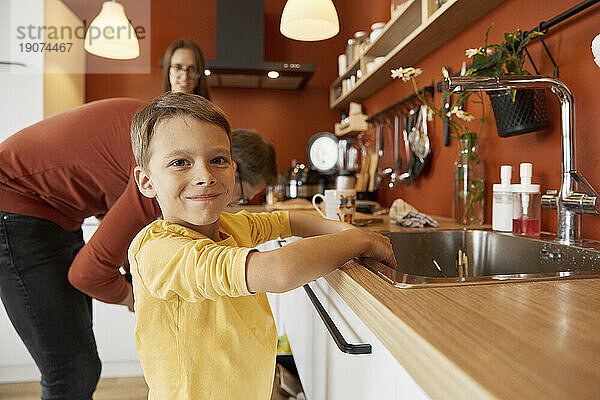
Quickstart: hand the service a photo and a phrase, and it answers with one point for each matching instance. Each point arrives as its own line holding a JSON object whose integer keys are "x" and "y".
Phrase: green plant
{"x": 505, "y": 58}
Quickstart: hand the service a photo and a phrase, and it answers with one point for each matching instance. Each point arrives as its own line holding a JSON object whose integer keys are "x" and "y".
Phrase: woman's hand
{"x": 128, "y": 301}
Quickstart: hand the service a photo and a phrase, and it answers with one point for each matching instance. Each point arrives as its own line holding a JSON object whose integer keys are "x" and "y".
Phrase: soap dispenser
{"x": 502, "y": 208}
{"x": 526, "y": 204}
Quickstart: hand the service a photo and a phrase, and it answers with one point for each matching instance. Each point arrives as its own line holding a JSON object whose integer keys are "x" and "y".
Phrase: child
{"x": 204, "y": 327}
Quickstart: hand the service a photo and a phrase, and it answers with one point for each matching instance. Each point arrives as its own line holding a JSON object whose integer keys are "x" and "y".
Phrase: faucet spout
{"x": 568, "y": 209}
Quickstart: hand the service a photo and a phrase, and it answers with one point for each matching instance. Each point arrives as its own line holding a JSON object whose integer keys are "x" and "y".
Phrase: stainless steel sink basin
{"x": 468, "y": 257}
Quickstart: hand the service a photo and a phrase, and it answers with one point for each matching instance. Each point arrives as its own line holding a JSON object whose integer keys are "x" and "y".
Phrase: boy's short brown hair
{"x": 167, "y": 106}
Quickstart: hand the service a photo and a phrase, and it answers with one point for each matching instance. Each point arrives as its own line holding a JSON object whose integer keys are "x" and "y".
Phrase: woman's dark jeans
{"x": 53, "y": 319}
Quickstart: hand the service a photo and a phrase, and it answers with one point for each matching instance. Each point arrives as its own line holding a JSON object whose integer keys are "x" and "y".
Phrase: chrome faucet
{"x": 567, "y": 201}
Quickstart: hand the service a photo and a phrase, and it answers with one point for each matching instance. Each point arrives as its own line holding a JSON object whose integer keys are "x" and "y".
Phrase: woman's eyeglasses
{"x": 179, "y": 70}
{"x": 243, "y": 200}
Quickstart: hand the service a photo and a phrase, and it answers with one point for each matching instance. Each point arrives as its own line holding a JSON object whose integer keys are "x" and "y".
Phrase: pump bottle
{"x": 502, "y": 206}
{"x": 526, "y": 204}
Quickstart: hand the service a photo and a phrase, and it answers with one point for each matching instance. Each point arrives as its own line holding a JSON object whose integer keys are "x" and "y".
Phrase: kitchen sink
{"x": 474, "y": 257}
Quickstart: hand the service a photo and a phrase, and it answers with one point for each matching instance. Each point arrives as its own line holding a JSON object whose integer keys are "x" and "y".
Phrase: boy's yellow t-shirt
{"x": 200, "y": 334}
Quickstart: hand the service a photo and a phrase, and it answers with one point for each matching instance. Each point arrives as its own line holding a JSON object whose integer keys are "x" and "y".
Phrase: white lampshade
{"x": 596, "y": 49}
{"x": 309, "y": 20}
{"x": 111, "y": 35}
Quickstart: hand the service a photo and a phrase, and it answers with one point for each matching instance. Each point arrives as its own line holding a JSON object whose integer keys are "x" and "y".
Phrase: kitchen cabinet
{"x": 414, "y": 32}
{"x": 326, "y": 372}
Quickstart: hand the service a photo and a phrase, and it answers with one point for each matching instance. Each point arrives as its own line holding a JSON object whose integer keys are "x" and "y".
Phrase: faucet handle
{"x": 583, "y": 183}
{"x": 550, "y": 199}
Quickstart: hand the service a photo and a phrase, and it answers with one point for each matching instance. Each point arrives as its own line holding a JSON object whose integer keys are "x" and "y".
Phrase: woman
{"x": 183, "y": 69}
{"x": 47, "y": 275}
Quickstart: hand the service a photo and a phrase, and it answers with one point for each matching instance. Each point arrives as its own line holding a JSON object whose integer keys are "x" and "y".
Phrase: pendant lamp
{"x": 111, "y": 35}
{"x": 596, "y": 49}
{"x": 309, "y": 20}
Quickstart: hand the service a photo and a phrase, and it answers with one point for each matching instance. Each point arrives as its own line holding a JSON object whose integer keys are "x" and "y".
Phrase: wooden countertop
{"x": 530, "y": 340}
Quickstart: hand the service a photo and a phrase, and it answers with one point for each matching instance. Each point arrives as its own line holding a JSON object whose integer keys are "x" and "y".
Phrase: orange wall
{"x": 287, "y": 118}
{"x": 569, "y": 43}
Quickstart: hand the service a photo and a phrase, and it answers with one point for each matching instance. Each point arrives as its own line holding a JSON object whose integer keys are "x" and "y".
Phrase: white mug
{"x": 340, "y": 205}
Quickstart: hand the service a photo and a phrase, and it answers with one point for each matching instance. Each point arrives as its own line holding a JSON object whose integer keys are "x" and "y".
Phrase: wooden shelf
{"x": 419, "y": 30}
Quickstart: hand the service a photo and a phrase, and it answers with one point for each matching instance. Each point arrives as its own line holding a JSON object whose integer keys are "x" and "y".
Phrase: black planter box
{"x": 526, "y": 114}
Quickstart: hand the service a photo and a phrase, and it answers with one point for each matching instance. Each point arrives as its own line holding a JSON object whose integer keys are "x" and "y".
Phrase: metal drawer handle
{"x": 363, "y": 348}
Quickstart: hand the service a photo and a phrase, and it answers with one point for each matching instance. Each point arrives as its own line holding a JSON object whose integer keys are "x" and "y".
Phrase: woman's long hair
{"x": 202, "y": 86}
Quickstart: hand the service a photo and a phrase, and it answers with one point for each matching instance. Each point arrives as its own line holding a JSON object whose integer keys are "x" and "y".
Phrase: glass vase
{"x": 468, "y": 187}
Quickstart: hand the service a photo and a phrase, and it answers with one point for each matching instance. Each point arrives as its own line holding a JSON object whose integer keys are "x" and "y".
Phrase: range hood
{"x": 240, "y": 51}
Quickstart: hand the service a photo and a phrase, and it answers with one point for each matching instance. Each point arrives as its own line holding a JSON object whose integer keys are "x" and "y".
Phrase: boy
{"x": 204, "y": 327}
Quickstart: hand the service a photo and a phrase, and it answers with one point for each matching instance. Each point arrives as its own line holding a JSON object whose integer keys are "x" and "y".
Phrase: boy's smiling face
{"x": 190, "y": 172}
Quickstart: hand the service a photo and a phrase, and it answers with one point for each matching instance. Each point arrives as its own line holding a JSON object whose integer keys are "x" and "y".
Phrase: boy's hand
{"x": 378, "y": 247}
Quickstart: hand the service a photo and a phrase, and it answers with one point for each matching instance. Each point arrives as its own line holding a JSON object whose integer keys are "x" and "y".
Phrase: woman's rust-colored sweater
{"x": 74, "y": 165}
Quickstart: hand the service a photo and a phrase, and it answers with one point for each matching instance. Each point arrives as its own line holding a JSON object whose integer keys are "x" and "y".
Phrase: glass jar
{"x": 275, "y": 194}
{"x": 468, "y": 185}
{"x": 350, "y": 44}
{"x": 361, "y": 39}
{"x": 526, "y": 211}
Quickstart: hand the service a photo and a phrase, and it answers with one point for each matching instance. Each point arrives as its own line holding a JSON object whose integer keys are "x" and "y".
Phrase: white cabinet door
{"x": 328, "y": 373}
{"x": 113, "y": 329}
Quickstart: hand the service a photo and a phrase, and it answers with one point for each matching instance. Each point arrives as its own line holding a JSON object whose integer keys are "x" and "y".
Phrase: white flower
{"x": 464, "y": 115}
{"x": 445, "y": 73}
{"x": 406, "y": 73}
{"x": 471, "y": 52}
{"x": 453, "y": 111}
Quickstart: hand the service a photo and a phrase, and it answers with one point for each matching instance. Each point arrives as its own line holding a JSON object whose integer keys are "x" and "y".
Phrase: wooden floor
{"x": 108, "y": 389}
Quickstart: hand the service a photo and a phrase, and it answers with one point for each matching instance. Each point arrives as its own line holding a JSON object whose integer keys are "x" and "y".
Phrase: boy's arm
{"x": 305, "y": 260}
{"x": 305, "y": 224}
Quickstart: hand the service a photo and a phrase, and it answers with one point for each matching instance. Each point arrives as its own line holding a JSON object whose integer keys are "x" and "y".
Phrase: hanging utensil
{"x": 410, "y": 157}
{"x": 446, "y": 110}
{"x": 386, "y": 173}
{"x": 374, "y": 170}
{"x": 414, "y": 137}
{"x": 420, "y": 139}
{"x": 423, "y": 159}
{"x": 414, "y": 160}
{"x": 405, "y": 127}
{"x": 398, "y": 161}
